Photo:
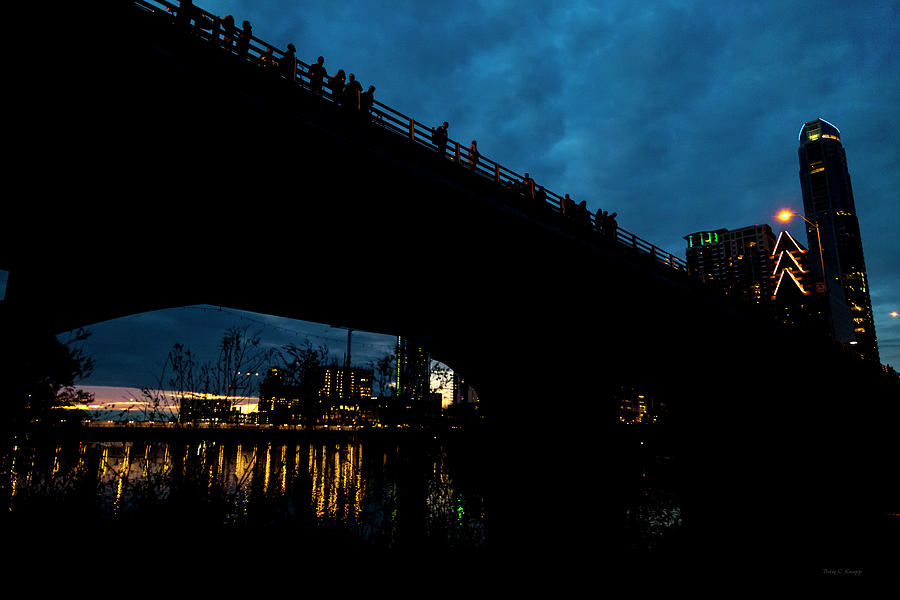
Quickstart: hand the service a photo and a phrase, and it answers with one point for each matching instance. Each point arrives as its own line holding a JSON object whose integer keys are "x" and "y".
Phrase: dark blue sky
{"x": 680, "y": 116}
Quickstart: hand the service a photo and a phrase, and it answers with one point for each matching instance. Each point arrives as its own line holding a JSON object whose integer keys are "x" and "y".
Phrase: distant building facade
{"x": 462, "y": 392}
{"x": 279, "y": 402}
{"x": 346, "y": 384}
{"x": 413, "y": 370}
{"x": 638, "y": 406}
{"x": 204, "y": 408}
{"x": 342, "y": 391}
{"x": 738, "y": 262}
{"x": 828, "y": 202}
{"x": 345, "y": 395}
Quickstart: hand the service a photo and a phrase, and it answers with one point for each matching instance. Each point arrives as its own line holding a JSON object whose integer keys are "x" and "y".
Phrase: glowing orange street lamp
{"x": 785, "y": 215}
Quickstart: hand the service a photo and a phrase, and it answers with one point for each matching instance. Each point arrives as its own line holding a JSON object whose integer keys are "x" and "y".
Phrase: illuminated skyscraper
{"x": 828, "y": 202}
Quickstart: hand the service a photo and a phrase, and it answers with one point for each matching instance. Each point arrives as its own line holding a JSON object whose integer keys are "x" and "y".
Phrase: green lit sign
{"x": 703, "y": 238}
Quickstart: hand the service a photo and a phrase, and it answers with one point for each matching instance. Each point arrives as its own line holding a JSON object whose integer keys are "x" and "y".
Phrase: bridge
{"x": 160, "y": 168}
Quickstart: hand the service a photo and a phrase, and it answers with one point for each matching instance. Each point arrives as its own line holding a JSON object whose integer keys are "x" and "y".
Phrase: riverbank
{"x": 170, "y": 432}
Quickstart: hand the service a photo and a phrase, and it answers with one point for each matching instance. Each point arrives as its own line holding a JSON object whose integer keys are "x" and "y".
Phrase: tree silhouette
{"x": 42, "y": 375}
{"x": 384, "y": 368}
{"x": 207, "y": 390}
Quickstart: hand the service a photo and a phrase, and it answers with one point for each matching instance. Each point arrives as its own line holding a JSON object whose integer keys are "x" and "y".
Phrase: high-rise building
{"x": 462, "y": 392}
{"x": 828, "y": 204}
{"x": 797, "y": 299}
{"x": 413, "y": 370}
{"x": 347, "y": 384}
{"x": 738, "y": 262}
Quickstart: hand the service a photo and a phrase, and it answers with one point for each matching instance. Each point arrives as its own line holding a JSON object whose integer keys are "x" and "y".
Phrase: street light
{"x": 785, "y": 216}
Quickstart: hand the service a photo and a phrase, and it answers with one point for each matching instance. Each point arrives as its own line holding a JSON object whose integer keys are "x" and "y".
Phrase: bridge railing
{"x": 208, "y": 26}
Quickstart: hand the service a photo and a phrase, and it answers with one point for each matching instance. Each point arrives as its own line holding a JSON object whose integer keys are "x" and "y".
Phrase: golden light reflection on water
{"x": 343, "y": 483}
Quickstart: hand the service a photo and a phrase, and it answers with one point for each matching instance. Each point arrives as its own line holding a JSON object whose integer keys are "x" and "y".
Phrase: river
{"x": 328, "y": 494}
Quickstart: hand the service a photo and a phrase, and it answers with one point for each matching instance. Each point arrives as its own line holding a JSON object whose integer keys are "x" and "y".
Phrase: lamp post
{"x": 785, "y": 216}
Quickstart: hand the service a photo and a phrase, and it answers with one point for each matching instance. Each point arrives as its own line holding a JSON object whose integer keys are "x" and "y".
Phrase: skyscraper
{"x": 413, "y": 370}
{"x": 796, "y": 297}
{"x": 828, "y": 202}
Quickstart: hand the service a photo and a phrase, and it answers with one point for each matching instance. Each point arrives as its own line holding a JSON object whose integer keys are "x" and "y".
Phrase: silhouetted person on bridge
{"x": 568, "y": 207}
{"x": 243, "y": 43}
{"x": 288, "y": 63}
{"x": 227, "y": 32}
{"x": 352, "y": 91}
{"x": 528, "y": 186}
{"x": 317, "y": 75}
{"x": 610, "y": 225}
{"x": 366, "y": 101}
{"x": 439, "y": 138}
{"x": 606, "y": 225}
{"x": 183, "y": 15}
{"x": 582, "y": 216}
{"x": 473, "y": 155}
{"x": 540, "y": 196}
{"x": 600, "y": 222}
{"x": 336, "y": 84}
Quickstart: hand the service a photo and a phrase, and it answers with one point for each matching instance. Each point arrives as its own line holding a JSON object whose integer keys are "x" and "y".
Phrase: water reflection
{"x": 381, "y": 493}
{"x": 384, "y": 493}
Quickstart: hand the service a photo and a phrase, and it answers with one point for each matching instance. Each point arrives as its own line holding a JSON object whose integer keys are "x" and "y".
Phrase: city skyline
{"x": 674, "y": 141}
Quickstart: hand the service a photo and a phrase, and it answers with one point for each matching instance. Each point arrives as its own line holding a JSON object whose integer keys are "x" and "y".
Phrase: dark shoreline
{"x": 164, "y": 433}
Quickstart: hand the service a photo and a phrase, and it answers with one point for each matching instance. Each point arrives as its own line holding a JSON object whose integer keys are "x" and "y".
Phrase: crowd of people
{"x": 603, "y": 222}
{"x": 346, "y": 91}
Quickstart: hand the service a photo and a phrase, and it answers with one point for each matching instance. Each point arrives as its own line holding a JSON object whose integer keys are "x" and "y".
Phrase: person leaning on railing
{"x": 567, "y": 206}
{"x": 611, "y": 227}
{"x": 473, "y": 155}
{"x": 228, "y": 32}
{"x": 243, "y": 42}
{"x": 336, "y": 84}
{"x": 606, "y": 225}
{"x": 184, "y": 13}
{"x": 352, "y": 91}
{"x": 439, "y": 138}
{"x": 528, "y": 185}
{"x": 288, "y": 63}
{"x": 540, "y": 197}
{"x": 317, "y": 75}
{"x": 366, "y": 101}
